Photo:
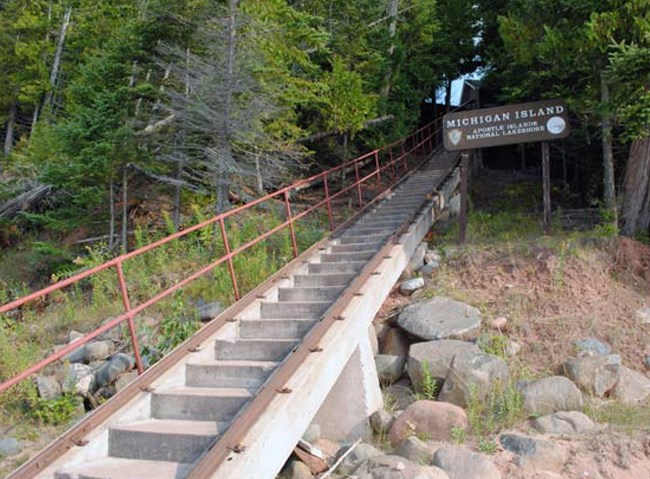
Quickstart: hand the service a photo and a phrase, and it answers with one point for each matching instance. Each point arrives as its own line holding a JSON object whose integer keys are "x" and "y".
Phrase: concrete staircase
{"x": 186, "y": 419}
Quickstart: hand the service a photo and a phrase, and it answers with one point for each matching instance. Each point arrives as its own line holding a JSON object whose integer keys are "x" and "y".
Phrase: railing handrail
{"x": 420, "y": 138}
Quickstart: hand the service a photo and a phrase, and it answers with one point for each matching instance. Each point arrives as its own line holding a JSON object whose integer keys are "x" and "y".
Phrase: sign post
{"x": 464, "y": 174}
{"x": 546, "y": 178}
{"x": 541, "y": 121}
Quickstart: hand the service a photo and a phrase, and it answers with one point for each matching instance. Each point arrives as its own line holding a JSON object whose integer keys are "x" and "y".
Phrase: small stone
{"x": 48, "y": 387}
{"x": 643, "y": 315}
{"x": 389, "y": 368}
{"x": 549, "y": 395}
{"x": 417, "y": 260}
{"x": 535, "y": 454}
{"x": 209, "y": 311}
{"x": 440, "y": 318}
{"x": 79, "y": 380}
{"x": 632, "y": 387}
{"x": 433, "y": 420}
{"x": 499, "y": 324}
{"x": 435, "y": 357}
{"x": 74, "y": 336}
{"x": 563, "y": 422}
{"x": 410, "y": 286}
{"x": 125, "y": 379}
{"x": 381, "y": 421}
{"x": 399, "y": 395}
{"x": 428, "y": 269}
{"x": 416, "y": 450}
{"x": 299, "y": 470}
{"x": 395, "y": 342}
{"x": 105, "y": 393}
{"x": 591, "y": 347}
{"x": 512, "y": 348}
{"x": 432, "y": 256}
{"x": 117, "y": 365}
{"x": 461, "y": 463}
{"x": 596, "y": 375}
{"x": 313, "y": 433}
{"x": 647, "y": 361}
{"x": 9, "y": 446}
{"x": 472, "y": 376}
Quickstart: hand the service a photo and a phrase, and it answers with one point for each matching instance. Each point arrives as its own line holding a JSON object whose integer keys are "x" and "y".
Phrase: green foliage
{"x": 429, "y": 387}
{"x": 494, "y": 344}
{"x": 502, "y": 409}
{"x": 459, "y": 435}
{"x": 55, "y": 412}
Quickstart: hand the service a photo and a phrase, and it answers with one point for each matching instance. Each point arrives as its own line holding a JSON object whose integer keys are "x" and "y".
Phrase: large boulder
{"x": 48, "y": 387}
{"x": 9, "y": 446}
{"x": 596, "y": 375}
{"x": 437, "y": 356}
{"x": 113, "y": 369}
{"x": 98, "y": 350}
{"x": 563, "y": 422}
{"x": 410, "y": 286}
{"x": 399, "y": 395}
{"x": 417, "y": 450}
{"x": 396, "y": 467}
{"x": 591, "y": 347}
{"x": 433, "y": 420}
{"x": 472, "y": 376}
{"x": 461, "y": 463}
{"x": 299, "y": 470}
{"x": 440, "y": 318}
{"x": 79, "y": 379}
{"x": 535, "y": 454}
{"x": 389, "y": 368}
{"x": 632, "y": 387}
{"x": 209, "y": 311}
{"x": 362, "y": 453}
{"x": 381, "y": 421}
{"x": 549, "y": 395}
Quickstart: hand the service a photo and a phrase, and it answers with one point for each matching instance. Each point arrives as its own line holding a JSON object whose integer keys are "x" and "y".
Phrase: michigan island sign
{"x": 523, "y": 123}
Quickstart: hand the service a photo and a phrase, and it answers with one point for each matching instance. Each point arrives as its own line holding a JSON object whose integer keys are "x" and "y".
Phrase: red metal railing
{"x": 420, "y": 143}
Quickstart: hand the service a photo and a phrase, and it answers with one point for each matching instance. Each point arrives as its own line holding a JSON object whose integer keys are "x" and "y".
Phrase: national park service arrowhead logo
{"x": 455, "y": 136}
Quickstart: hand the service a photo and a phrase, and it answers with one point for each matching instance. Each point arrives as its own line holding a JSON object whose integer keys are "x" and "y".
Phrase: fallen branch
{"x": 25, "y": 201}
{"x": 331, "y": 470}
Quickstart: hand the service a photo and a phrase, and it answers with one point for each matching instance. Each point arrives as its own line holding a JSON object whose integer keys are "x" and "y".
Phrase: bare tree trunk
{"x": 393, "y": 7}
{"x": 223, "y": 177}
{"x": 125, "y": 207}
{"x": 258, "y": 175}
{"x": 111, "y": 206}
{"x": 54, "y": 73}
{"x": 11, "y": 125}
{"x": 635, "y": 210}
{"x": 448, "y": 82}
{"x": 608, "y": 157}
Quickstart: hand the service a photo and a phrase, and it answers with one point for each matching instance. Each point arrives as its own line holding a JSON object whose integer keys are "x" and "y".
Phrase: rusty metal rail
{"x": 385, "y": 161}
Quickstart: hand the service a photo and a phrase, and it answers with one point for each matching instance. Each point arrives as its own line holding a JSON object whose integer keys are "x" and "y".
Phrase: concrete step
{"x": 342, "y": 257}
{"x": 356, "y": 247}
{"x": 275, "y": 328}
{"x": 331, "y": 268}
{"x": 379, "y": 223}
{"x": 320, "y": 280}
{"x": 198, "y": 404}
{"x": 363, "y": 230}
{"x": 114, "y": 468}
{"x": 293, "y": 310}
{"x": 170, "y": 441}
{"x": 370, "y": 239}
{"x": 229, "y": 374}
{"x": 253, "y": 350}
{"x": 324, "y": 293}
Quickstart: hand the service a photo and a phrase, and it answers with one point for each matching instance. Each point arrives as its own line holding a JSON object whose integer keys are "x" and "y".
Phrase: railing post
{"x": 358, "y": 182}
{"x": 329, "y": 203}
{"x": 231, "y": 266}
{"x": 392, "y": 164}
{"x": 378, "y": 170}
{"x": 294, "y": 243}
{"x": 129, "y": 317}
{"x": 406, "y": 163}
